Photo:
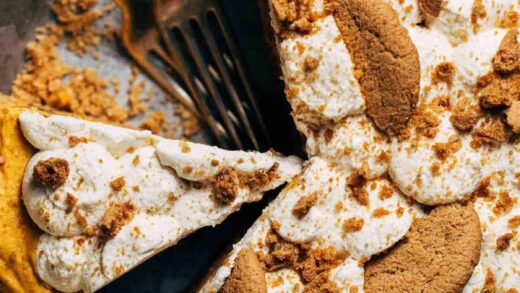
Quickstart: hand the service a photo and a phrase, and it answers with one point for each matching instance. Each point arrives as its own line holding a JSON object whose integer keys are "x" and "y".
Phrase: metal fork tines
{"x": 198, "y": 38}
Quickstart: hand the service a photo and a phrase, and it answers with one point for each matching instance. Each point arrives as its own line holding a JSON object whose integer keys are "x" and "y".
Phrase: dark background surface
{"x": 182, "y": 267}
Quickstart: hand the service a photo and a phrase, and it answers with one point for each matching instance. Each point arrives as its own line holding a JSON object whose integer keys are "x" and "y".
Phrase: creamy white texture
{"x": 166, "y": 207}
{"x": 455, "y": 20}
{"x": 354, "y": 143}
{"x": 324, "y": 225}
{"x": 54, "y": 132}
{"x": 137, "y": 241}
{"x": 329, "y": 92}
{"x": 494, "y": 219}
{"x": 420, "y": 173}
{"x": 209, "y": 160}
{"x": 434, "y": 49}
{"x": 91, "y": 168}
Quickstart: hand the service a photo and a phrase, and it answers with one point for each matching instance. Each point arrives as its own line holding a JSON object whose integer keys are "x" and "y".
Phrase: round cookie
{"x": 438, "y": 254}
{"x": 386, "y": 61}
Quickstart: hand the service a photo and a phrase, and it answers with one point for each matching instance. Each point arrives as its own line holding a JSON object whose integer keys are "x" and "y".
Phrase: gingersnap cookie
{"x": 247, "y": 275}
{"x": 385, "y": 59}
{"x": 438, "y": 254}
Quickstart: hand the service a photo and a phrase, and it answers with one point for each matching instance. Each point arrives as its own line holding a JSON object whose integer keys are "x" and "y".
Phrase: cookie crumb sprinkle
{"x": 225, "y": 186}
{"x": 51, "y": 173}
{"x": 118, "y": 183}
{"x": 304, "y": 204}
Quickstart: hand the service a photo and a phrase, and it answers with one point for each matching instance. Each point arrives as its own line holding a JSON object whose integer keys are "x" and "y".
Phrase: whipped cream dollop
{"x": 126, "y": 195}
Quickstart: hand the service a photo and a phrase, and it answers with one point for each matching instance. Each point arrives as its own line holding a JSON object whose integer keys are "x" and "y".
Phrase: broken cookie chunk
{"x": 51, "y": 173}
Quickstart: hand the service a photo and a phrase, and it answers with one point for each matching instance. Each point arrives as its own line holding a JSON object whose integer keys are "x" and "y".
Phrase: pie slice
{"x": 83, "y": 202}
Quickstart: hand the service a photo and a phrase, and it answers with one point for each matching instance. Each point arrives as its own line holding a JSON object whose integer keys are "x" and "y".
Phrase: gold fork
{"x": 187, "y": 48}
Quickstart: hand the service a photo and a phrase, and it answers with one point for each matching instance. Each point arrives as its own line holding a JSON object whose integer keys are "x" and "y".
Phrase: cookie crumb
{"x": 444, "y": 73}
{"x": 310, "y": 64}
{"x": 444, "y": 150}
{"x": 504, "y": 241}
{"x": 489, "y": 283}
{"x": 514, "y": 222}
{"x": 507, "y": 59}
{"x": 354, "y": 224}
{"x": 225, "y": 186}
{"x": 247, "y": 274}
{"x": 118, "y": 183}
{"x": 304, "y": 204}
{"x": 356, "y": 183}
{"x": 430, "y": 7}
{"x": 503, "y": 204}
{"x": 51, "y": 173}
{"x": 513, "y": 116}
{"x": 465, "y": 116}
{"x": 260, "y": 178}
{"x": 380, "y": 213}
{"x": 74, "y": 140}
{"x": 116, "y": 216}
{"x": 478, "y": 11}
{"x": 491, "y": 132}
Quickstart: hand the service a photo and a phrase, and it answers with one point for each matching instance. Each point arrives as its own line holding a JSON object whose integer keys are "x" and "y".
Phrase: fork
{"x": 187, "y": 47}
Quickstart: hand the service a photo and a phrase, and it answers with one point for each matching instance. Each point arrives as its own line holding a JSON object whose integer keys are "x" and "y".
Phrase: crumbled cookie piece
{"x": 247, "y": 275}
{"x": 438, "y": 254}
{"x": 74, "y": 140}
{"x": 313, "y": 265}
{"x": 504, "y": 241}
{"x": 118, "y": 183}
{"x": 261, "y": 178}
{"x": 304, "y": 204}
{"x": 293, "y": 15}
{"x": 513, "y": 116}
{"x": 353, "y": 224}
{"x": 507, "y": 58}
{"x": 444, "y": 150}
{"x": 444, "y": 73}
{"x": 426, "y": 123}
{"x": 310, "y": 64}
{"x": 356, "y": 183}
{"x": 430, "y": 7}
{"x": 514, "y": 222}
{"x": 491, "y": 132}
{"x": 489, "y": 283}
{"x": 51, "y": 173}
{"x": 380, "y": 47}
{"x": 503, "y": 204}
{"x": 495, "y": 90}
{"x": 478, "y": 11}
{"x": 225, "y": 186}
{"x": 465, "y": 116}
{"x": 116, "y": 216}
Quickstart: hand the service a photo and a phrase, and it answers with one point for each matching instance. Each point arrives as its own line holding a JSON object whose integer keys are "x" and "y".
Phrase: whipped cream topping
{"x": 499, "y": 214}
{"x": 354, "y": 143}
{"x": 327, "y": 90}
{"x": 126, "y": 169}
{"x": 464, "y": 37}
{"x": 419, "y": 171}
{"x": 385, "y": 219}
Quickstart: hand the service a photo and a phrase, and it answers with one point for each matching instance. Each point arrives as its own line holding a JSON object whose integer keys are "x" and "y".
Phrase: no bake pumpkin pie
{"x": 83, "y": 202}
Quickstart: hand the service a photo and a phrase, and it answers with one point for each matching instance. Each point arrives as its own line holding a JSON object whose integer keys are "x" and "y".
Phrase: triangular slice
{"x": 108, "y": 198}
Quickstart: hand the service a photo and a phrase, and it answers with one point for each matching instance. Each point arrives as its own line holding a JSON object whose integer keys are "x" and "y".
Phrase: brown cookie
{"x": 430, "y": 7}
{"x": 385, "y": 59}
{"x": 247, "y": 275}
{"x": 438, "y": 254}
